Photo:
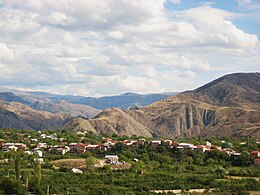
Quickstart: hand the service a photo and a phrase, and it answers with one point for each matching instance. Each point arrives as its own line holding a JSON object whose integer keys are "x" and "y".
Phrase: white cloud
{"x": 243, "y": 2}
{"x": 109, "y": 47}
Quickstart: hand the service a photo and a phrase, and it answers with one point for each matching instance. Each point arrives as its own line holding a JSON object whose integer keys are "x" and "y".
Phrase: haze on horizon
{"x": 98, "y": 48}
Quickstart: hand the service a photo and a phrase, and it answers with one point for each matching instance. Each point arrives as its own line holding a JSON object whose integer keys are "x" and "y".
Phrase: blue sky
{"x": 107, "y": 47}
{"x": 249, "y": 24}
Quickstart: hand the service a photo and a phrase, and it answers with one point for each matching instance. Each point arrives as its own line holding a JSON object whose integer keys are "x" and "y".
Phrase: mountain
{"x": 124, "y": 101}
{"x": 65, "y": 107}
{"x": 41, "y": 110}
{"x": 44, "y": 103}
{"x": 15, "y": 115}
{"x": 227, "y": 106}
{"x": 10, "y": 97}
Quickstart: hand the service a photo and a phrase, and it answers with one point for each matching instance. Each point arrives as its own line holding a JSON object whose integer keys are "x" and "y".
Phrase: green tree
{"x": 38, "y": 171}
{"x": 9, "y": 186}
{"x": 17, "y": 168}
{"x": 90, "y": 162}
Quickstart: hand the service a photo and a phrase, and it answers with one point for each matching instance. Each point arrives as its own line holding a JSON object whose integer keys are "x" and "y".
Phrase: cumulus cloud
{"x": 109, "y": 47}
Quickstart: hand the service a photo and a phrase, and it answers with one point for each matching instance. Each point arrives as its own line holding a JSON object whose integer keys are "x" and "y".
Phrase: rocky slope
{"x": 15, "y": 115}
{"x": 226, "y": 106}
{"x": 45, "y": 104}
{"x": 72, "y": 110}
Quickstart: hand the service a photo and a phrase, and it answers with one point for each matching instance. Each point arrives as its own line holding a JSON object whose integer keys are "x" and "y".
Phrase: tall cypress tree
{"x": 17, "y": 168}
{"x": 38, "y": 171}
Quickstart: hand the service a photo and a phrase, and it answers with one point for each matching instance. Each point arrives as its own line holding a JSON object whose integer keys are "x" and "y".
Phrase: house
{"x": 12, "y": 148}
{"x": 168, "y": 142}
{"x": 186, "y": 146}
{"x": 111, "y": 158}
{"x": 208, "y": 144}
{"x": 234, "y": 155}
{"x": 6, "y": 145}
{"x": 255, "y": 154}
{"x": 20, "y": 146}
{"x": 229, "y": 151}
{"x": 60, "y": 150}
{"x": 41, "y": 145}
{"x": 91, "y": 147}
{"x": 43, "y": 136}
{"x": 179, "y": 148}
{"x": 9, "y": 147}
{"x": 155, "y": 143}
{"x": 78, "y": 148}
{"x": 138, "y": 143}
{"x": 200, "y": 148}
{"x": 34, "y": 140}
{"x": 104, "y": 146}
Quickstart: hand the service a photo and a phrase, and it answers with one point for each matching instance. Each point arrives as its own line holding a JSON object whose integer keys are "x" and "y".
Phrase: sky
{"x": 107, "y": 47}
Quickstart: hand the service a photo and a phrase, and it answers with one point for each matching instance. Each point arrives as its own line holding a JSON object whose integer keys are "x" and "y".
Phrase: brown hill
{"x": 73, "y": 110}
{"x": 224, "y": 107}
{"x": 15, "y": 115}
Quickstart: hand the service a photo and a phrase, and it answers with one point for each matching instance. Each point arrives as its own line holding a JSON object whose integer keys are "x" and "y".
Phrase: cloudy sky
{"x": 106, "y": 47}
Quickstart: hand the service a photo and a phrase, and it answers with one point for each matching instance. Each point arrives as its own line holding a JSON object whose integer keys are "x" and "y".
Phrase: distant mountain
{"x": 39, "y": 110}
{"x": 123, "y": 101}
{"x": 228, "y": 106}
{"x": 10, "y": 97}
{"x": 65, "y": 107}
{"x": 45, "y": 104}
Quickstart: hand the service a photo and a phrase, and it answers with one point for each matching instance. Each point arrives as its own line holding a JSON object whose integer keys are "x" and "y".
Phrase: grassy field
{"x": 70, "y": 163}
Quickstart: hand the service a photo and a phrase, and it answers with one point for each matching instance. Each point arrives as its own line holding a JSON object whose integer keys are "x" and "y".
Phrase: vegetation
{"x": 157, "y": 168}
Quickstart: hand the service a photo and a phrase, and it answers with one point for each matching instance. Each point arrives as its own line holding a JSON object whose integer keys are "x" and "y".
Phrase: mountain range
{"x": 227, "y": 106}
{"x": 41, "y": 110}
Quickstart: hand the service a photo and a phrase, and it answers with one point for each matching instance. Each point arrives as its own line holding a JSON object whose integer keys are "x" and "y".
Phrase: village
{"x": 35, "y": 145}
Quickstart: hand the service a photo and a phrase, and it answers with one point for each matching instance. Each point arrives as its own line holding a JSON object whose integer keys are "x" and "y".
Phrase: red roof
{"x": 80, "y": 145}
{"x": 201, "y": 146}
{"x": 254, "y": 152}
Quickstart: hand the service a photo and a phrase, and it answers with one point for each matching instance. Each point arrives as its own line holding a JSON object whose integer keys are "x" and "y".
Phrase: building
{"x": 200, "y": 148}
{"x": 91, "y": 147}
{"x": 111, "y": 158}
{"x": 186, "y": 146}
{"x": 20, "y": 146}
{"x": 78, "y": 148}
{"x": 168, "y": 142}
{"x": 41, "y": 145}
{"x": 155, "y": 143}
{"x": 104, "y": 146}
{"x": 255, "y": 154}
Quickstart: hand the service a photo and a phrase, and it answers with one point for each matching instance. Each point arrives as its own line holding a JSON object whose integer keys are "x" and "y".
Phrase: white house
{"x": 111, "y": 158}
